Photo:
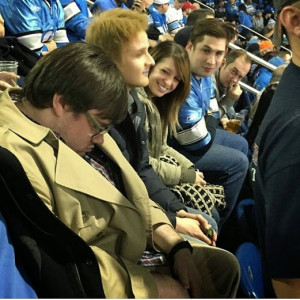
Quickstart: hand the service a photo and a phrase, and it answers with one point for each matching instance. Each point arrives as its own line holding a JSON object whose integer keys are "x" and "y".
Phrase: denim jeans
{"x": 225, "y": 163}
{"x": 208, "y": 218}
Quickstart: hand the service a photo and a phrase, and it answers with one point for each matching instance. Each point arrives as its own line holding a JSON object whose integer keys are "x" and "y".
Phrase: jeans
{"x": 208, "y": 218}
{"x": 226, "y": 164}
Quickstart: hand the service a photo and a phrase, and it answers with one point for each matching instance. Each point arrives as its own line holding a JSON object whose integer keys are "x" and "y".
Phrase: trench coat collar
{"x": 88, "y": 180}
{"x": 32, "y": 132}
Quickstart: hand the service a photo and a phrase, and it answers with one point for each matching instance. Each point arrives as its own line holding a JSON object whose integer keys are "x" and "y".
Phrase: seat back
{"x": 251, "y": 283}
{"x": 12, "y": 281}
{"x": 246, "y": 220}
{"x": 59, "y": 264}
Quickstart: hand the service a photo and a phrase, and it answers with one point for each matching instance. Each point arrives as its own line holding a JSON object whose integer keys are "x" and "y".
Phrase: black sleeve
{"x": 133, "y": 145}
{"x": 211, "y": 125}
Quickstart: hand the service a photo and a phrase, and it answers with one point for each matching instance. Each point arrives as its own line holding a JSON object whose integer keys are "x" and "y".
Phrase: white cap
{"x": 161, "y": 1}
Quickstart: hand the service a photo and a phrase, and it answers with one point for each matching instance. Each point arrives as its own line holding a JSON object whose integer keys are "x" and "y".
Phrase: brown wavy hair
{"x": 169, "y": 104}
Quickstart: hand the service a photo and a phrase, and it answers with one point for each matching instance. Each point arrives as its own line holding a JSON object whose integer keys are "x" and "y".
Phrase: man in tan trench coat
{"x": 69, "y": 99}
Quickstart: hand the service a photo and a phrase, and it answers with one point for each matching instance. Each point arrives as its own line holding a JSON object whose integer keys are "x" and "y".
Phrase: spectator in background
{"x": 141, "y": 5}
{"x": 187, "y": 8}
{"x": 264, "y": 74}
{"x": 38, "y": 24}
{"x": 269, "y": 29}
{"x": 210, "y": 3}
{"x": 220, "y": 10}
{"x": 77, "y": 18}
{"x": 7, "y": 79}
{"x": 182, "y": 37}
{"x": 258, "y": 21}
{"x": 232, "y": 31}
{"x": 103, "y": 5}
{"x": 266, "y": 46}
{"x": 175, "y": 20}
{"x": 158, "y": 18}
{"x": 285, "y": 55}
{"x": 234, "y": 68}
{"x": 250, "y": 7}
{"x": 275, "y": 170}
{"x": 267, "y": 15}
{"x": 178, "y": 10}
{"x": 232, "y": 9}
{"x": 244, "y": 19}
{"x": 260, "y": 105}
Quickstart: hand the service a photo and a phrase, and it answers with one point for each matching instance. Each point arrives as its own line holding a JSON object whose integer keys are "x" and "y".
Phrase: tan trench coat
{"x": 116, "y": 228}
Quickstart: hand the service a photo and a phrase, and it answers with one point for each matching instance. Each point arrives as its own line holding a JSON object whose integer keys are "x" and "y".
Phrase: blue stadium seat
{"x": 245, "y": 215}
{"x": 251, "y": 284}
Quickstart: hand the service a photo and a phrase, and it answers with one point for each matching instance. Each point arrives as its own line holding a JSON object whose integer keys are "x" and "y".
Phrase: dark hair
{"x": 198, "y": 14}
{"x": 170, "y": 104}
{"x": 84, "y": 76}
{"x": 210, "y": 27}
{"x": 234, "y": 54}
{"x": 243, "y": 8}
{"x": 231, "y": 30}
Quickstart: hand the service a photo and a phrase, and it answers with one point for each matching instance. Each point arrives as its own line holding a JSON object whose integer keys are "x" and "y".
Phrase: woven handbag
{"x": 196, "y": 196}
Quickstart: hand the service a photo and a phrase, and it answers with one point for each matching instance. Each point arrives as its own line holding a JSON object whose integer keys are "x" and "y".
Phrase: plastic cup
{"x": 234, "y": 125}
{"x": 9, "y": 66}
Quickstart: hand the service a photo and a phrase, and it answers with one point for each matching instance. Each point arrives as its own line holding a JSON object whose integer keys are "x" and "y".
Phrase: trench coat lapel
{"x": 134, "y": 186}
{"x": 75, "y": 173}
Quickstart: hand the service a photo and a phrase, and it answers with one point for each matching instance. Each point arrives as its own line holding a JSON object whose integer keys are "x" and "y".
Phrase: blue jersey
{"x": 35, "y": 22}
{"x": 159, "y": 20}
{"x": 194, "y": 134}
{"x": 77, "y": 18}
{"x": 232, "y": 9}
{"x": 103, "y": 5}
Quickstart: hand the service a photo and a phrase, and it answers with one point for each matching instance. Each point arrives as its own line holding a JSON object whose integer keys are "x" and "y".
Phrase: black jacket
{"x": 131, "y": 138}
{"x": 56, "y": 261}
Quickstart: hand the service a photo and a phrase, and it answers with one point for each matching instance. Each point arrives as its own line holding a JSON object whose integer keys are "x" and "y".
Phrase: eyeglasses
{"x": 101, "y": 130}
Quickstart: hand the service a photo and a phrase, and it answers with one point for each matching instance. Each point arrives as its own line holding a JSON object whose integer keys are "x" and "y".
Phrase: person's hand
{"x": 185, "y": 270}
{"x": 200, "y": 179}
{"x": 234, "y": 91}
{"x": 224, "y": 121}
{"x": 195, "y": 226}
{"x": 51, "y": 45}
{"x": 8, "y": 79}
{"x": 162, "y": 38}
